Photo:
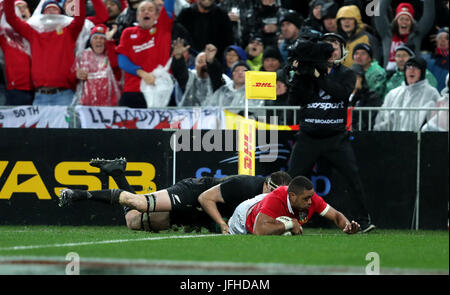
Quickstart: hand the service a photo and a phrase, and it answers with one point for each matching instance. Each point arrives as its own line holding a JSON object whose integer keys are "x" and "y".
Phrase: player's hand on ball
{"x": 297, "y": 229}
{"x": 291, "y": 225}
{"x": 351, "y": 228}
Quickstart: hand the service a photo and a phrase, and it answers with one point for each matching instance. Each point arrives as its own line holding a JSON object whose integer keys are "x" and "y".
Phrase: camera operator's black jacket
{"x": 323, "y": 101}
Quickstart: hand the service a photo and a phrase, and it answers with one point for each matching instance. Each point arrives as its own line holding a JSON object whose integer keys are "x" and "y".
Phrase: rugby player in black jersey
{"x": 178, "y": 204}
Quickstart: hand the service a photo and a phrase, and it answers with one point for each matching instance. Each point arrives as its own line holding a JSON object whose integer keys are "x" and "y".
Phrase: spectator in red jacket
{"x": 52, "y": 54}
{"x": 95, "y": 71}
{"x": 19, "y": 89}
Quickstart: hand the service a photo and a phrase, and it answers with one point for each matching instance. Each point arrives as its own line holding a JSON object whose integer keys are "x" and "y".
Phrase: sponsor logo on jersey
{"x": 175, "y": 199}
{"x": 326, "y": 105}
{"x": 144, "y": 46}
{"x": 303, "y": 217}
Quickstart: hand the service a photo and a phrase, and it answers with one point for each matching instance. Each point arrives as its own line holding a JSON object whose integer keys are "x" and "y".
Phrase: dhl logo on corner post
{"x": 260, "y": 85}
{"x": 247, "y": 144}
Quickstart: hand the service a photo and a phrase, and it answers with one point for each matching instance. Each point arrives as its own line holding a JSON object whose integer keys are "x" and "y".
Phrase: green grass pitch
{"x": 117, "y": 250}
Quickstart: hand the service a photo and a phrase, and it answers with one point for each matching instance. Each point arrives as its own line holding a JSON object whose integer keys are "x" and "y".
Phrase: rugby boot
{"x": 68, "y": 196}
{"x": 110, "y": 167}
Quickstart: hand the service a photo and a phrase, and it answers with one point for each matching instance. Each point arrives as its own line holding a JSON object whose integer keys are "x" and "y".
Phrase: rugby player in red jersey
{"x": 295, "y": 204}
{"x": 178, "y": 204}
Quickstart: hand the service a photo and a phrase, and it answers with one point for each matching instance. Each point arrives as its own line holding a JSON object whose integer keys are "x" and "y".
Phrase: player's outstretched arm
{"x": 266, "y": 225}
{"x": 208, "y": 200}
{"x": 341, "y": 221}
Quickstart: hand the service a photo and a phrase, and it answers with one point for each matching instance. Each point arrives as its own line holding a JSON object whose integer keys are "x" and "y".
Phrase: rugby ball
{"x": 287, "y": 221}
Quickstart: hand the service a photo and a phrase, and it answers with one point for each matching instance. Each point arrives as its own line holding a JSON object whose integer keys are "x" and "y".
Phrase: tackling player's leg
{"x": 155, "y": 221}
{"x": 155, "y": 202}
{"x": 140, "y": 208}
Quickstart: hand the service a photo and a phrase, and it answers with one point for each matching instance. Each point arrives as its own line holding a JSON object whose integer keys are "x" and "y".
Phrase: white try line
{"x": 106, "y": 242}
{"x": 54, "y": 265}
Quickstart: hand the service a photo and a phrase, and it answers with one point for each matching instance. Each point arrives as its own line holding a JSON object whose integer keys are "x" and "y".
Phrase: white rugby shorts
{"x": 236, "y": 223}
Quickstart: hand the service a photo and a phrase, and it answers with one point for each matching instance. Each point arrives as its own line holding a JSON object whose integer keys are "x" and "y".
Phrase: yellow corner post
{"x": 247, "y": 145}
{"x": 258, "y": 85}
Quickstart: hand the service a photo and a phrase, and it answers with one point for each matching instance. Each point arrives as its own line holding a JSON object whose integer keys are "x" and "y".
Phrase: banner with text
{"x": 126, "y": 118}
{"x": 34, "y": 117}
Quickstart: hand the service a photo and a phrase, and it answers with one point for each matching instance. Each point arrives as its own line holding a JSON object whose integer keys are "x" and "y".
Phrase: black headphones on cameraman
{"x": 335, "y": 36}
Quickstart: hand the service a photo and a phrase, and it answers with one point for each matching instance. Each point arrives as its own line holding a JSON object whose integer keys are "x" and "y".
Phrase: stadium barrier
{"x": 212, "y": 117}
{"x": 405, "y": 174}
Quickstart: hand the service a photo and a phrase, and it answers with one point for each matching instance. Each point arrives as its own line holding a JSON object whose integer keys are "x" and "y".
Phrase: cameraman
{"x": 323, "y": 95}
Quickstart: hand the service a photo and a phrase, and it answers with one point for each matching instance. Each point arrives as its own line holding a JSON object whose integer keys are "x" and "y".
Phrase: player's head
{"x": 300, "y": 192}
{"x": 275, "y": 180}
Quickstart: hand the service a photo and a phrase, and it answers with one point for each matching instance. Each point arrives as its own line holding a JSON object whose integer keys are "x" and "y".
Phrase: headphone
{"x": 341, "y": 40}
{"x": 271, "y": 184}
{"x": 345, "y": 52}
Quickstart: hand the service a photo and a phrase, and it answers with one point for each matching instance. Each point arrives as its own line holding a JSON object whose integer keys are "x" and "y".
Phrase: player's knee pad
{"x": 151, "y": 203}
{"x": 145, "y": 222}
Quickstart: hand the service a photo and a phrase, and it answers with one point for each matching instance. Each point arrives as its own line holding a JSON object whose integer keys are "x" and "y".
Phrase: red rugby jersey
{"x": 277, "y": 204}
{"x": 52, "y": 53}
{"x": 146, "y": 48}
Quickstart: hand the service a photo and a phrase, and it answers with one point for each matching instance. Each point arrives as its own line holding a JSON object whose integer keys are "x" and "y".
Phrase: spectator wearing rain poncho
{"x": 199, "y": 83}
{"x": 52, "y": 51}
{"x": 94, "y": 69}
{"x": 402, "y": 54}
{"x": 232, "y": 55}
{"x": 415, "y": 92}
{"x": 438, "y": 120}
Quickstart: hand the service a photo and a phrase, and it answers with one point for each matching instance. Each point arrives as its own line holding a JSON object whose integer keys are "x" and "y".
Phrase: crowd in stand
{"x": 158, "y": 53}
